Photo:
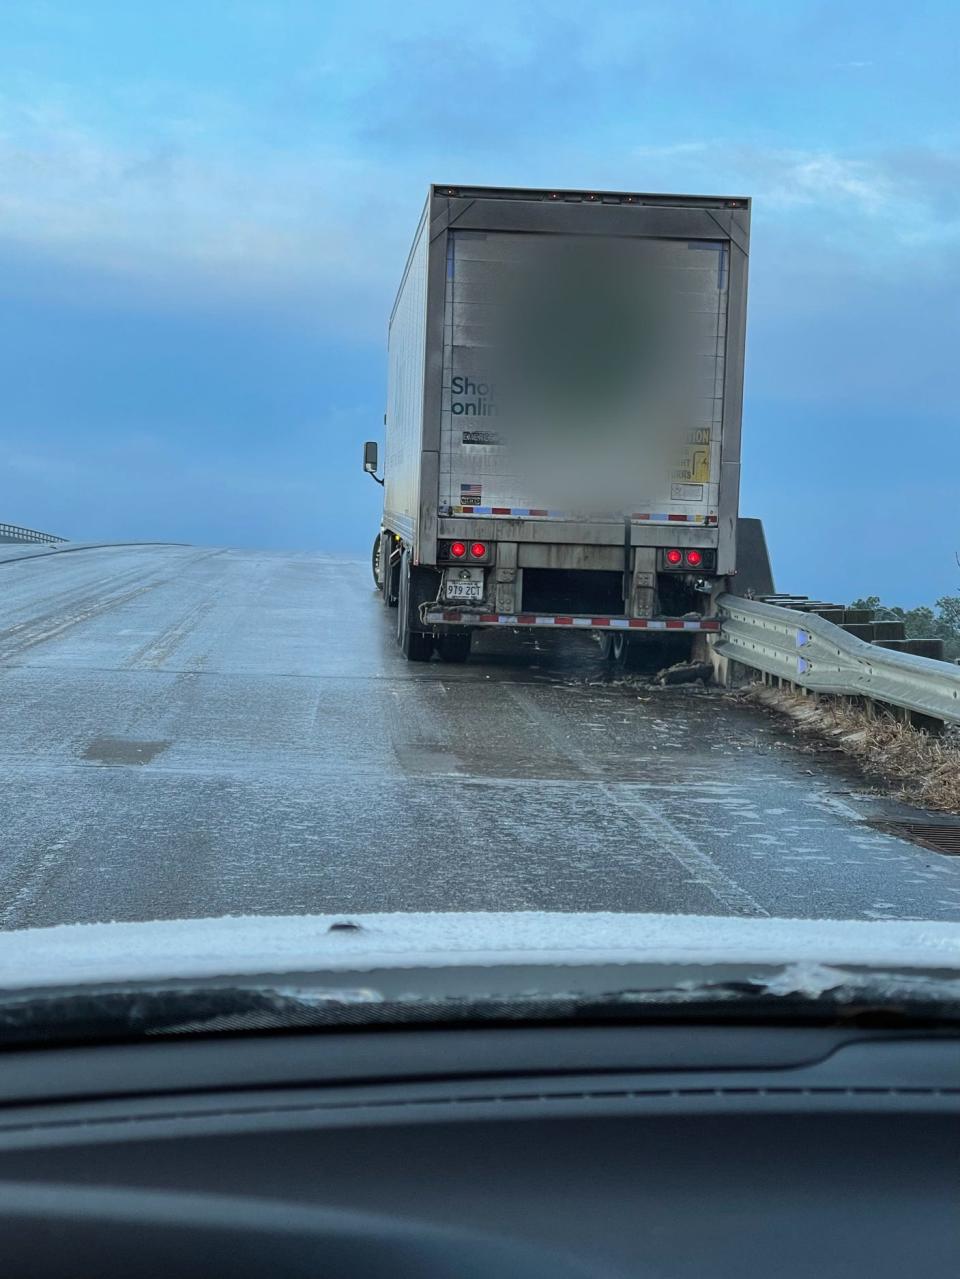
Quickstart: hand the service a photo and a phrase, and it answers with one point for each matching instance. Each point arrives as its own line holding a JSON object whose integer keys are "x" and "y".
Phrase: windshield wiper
{"x": 792, "y": 994}
{"x": 137, "y": 1011}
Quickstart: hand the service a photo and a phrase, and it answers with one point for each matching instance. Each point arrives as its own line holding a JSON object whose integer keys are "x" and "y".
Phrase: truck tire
{"x": 454, "y": 647}
{"x": 619, "y": 649}
{"x": 646, "y": 654}
{"x": 376, "y": 561}
{"x": 416, "y": 646}
{"x": 388, "y": 570}
{"x": 613, "y": 646}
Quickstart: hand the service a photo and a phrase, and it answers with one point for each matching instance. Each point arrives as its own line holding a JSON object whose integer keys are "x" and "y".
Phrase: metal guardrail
{"x": 810, "y": 651}
{"x": 14, "y": 533}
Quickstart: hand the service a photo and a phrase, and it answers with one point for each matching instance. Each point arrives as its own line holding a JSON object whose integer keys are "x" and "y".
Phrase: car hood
{"x": 271, "y": 946}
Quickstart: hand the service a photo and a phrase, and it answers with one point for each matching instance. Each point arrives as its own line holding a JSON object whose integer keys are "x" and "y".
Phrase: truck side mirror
{"x": 370, "y": 459}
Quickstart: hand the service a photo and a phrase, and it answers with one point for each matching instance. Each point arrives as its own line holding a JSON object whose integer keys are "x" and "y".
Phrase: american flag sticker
{"x": 471, "y": 488}
{"x": 470, "y": 494}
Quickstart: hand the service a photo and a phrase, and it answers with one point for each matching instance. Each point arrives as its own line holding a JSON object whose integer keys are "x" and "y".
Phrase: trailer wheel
{"x": 416, "y": 646}
{"x": 614, "y": 646}
{"x": 647, "y": 654}
{"x": 619, "y": 647}
{"x": 454, "y": 647}
{"x": 631, "y": 652}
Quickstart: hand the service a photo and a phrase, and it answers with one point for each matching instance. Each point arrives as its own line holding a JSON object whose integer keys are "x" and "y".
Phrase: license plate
{"x": 464, "y": 590}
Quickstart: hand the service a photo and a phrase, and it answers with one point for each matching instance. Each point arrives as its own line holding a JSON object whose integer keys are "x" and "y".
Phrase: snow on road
{"x": 190, "y": 732}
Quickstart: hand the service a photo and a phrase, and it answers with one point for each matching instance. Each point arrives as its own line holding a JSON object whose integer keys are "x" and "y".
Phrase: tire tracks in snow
{"x": 667, "y": 836}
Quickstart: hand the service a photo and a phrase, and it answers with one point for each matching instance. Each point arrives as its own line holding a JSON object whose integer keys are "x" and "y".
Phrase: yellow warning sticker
{"x": 693, "y": 462}
{"x": 700, "y": 466}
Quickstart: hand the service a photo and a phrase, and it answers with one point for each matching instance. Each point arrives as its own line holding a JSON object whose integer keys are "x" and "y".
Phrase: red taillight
{"x": 458, "y": 550}
{"x": 674, "y": 557}
{"x": 478, "y": 550}
{"x": 694, "y": 558}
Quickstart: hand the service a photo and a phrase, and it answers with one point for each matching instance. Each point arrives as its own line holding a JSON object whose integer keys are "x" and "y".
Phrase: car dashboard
{"x": 672, "y": 1151}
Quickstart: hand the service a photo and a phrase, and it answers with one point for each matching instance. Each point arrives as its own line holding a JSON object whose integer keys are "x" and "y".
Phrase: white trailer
{"x": 563, "y": 416}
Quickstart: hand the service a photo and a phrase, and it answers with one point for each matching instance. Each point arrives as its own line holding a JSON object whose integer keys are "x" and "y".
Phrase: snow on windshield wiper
{"x": 790, "y": 993}
{"x": 132, "y": 1012}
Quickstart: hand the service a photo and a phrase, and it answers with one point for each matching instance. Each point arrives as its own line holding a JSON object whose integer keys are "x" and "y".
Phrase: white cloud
{"x": 268, "y": 216}
{"x": 195, "y": 201}
{"x": 790, "y": 178}
{"x": 670, "y": 150}
{"x": 875, "y": 205}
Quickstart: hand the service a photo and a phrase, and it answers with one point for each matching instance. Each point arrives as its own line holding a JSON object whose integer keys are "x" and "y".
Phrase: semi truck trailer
{"x": 562, "y": 431}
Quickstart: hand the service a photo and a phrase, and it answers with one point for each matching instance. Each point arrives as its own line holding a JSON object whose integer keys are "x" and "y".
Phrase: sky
{"x": 206, "y": 207}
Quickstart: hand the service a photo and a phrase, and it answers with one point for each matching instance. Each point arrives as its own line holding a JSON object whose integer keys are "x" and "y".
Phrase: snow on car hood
{"x": 262, "y": 945}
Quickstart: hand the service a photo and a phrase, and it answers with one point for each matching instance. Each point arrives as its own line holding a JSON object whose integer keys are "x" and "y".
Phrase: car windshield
{"x": 479, "y": 480}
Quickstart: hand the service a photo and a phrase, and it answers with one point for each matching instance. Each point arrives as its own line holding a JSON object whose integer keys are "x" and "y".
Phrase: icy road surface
{"x": 192, "y": 732}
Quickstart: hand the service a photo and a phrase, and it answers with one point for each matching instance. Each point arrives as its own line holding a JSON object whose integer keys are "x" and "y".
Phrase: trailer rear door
{"x": 582, "y": 376}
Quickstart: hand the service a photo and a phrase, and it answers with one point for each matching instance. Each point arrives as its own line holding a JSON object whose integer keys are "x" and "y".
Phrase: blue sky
{"x": 205, "y": 209}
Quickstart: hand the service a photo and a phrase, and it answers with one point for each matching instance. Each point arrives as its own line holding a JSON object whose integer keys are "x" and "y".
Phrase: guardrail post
{"x": 926, "y": 723}
{"x": 727, "y": 672}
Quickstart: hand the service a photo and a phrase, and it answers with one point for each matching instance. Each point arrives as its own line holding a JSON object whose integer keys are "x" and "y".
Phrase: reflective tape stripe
{"x": 536, "y": 513}
{"x": 558, "y": 619}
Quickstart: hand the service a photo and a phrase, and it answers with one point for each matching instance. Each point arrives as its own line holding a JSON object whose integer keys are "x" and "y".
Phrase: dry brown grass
{"x": 917, "y": 767}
